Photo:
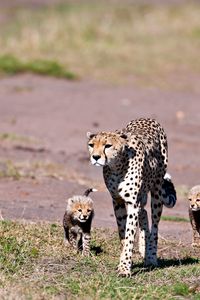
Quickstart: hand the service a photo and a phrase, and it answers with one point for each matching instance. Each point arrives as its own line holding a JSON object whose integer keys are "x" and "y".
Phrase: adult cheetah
{"x": 134, "y": 162}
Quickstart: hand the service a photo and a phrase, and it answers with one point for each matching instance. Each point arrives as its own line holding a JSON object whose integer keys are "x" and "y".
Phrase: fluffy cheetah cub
{"x": 194, "y": 214}
{"x": 77, "y": 222}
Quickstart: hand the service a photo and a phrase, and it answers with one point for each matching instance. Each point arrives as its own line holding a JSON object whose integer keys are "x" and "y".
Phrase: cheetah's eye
{"x": 190, "y": 199}
{"x": 80, "y": 210}
{"x": 89, "y": 210}
{"x": 198, "y": 200}
{"x": 108, "y": 146}
{"x": 91, "y": 145}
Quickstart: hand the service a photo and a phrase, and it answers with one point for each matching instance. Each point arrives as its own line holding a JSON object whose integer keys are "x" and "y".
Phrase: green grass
{"x": 9, "y": 64}
{"x": 9, "y": 170}
{"x": 174, "y": 219}
{"x": 35, "y": 264}
{"x": 109, "y": 40}
{"x": 13, "y": 137}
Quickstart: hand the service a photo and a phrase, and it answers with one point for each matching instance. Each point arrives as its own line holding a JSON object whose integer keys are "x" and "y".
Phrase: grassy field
{"x": 11, "y": 65}
{"x": 34, "y": 264}
{"x": 114, "y": 41}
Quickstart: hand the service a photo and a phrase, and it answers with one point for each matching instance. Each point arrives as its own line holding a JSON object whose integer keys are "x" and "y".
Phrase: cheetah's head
{"x": 195, "y": 202}
{"x": 194, "y": 198}
{"x": 105, "y": 147}
{"x": 81, "y": 207}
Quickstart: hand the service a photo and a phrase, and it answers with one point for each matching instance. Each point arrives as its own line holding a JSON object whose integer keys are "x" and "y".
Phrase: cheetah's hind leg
{"x": 156, "y": 211}
{"x": 144, "y": 233}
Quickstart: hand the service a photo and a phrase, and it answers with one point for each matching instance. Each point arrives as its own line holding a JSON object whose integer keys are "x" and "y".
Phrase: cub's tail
{"x": 88, "y": 191}
{"x": 168, "y": 192}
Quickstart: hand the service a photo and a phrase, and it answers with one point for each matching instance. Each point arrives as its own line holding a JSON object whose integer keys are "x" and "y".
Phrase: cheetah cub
{"x": 194, "y": 214}
{"x": 77, "y": 222}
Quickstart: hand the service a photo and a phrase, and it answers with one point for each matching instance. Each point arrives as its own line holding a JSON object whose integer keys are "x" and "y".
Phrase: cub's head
{"x": 194, "y": 198}
{"x": 81, "y": 208}
{"x": 104, "y": 147}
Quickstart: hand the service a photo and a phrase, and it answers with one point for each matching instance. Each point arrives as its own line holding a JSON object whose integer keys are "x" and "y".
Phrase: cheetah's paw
{"x": 151, "y": 262}
{"x": 196, "y": 245}
{"x": 123, "y": 271}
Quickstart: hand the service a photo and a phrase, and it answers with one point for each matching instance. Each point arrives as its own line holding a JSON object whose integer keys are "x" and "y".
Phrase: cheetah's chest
{"x": 117, "y": 182}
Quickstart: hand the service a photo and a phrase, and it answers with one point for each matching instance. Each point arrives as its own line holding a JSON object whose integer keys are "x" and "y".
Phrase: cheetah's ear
{"x": 90, "y": 135}
{"x": 70, "y": 200}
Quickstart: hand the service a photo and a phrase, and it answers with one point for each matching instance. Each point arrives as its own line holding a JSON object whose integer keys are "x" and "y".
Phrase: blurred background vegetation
{"x": 115, "y": 41}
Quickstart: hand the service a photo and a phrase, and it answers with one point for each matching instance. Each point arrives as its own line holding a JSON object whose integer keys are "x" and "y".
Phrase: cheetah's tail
{"x": 88, "y": 191}
{"x": 168, "y": 192}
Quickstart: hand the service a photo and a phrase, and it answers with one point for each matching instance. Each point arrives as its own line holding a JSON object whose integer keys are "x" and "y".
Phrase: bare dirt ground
{"x": 54, "y": 116}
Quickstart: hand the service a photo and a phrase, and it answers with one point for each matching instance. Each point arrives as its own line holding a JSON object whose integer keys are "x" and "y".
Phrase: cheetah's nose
{"x": 96, "y": 157}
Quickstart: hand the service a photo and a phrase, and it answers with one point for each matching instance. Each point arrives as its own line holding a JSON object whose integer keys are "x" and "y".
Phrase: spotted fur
{"x": 77, "y": 222}
{"x": 134, "y": 162}
{"x": 194, "y": 214}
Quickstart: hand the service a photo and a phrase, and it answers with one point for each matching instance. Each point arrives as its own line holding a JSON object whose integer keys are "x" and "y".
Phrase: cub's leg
{"x": 86, "y": 238}
{"x": 196, "y": 238}
{"x": 73, "y": 238}
{"x": 195, "y": 229}
{"x": 66, "y": 235}
{"x": 79, "y": 241}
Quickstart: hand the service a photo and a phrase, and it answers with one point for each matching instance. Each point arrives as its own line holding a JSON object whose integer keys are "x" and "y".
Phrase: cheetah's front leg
{"x": 86, "y": 243}
{"x": 195, "y": 238}
{"x": 195, "y": 230}
{"x": 124, "y": 267}
{"x": 73, "y": 239}
{"x": 121, "y": 215}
